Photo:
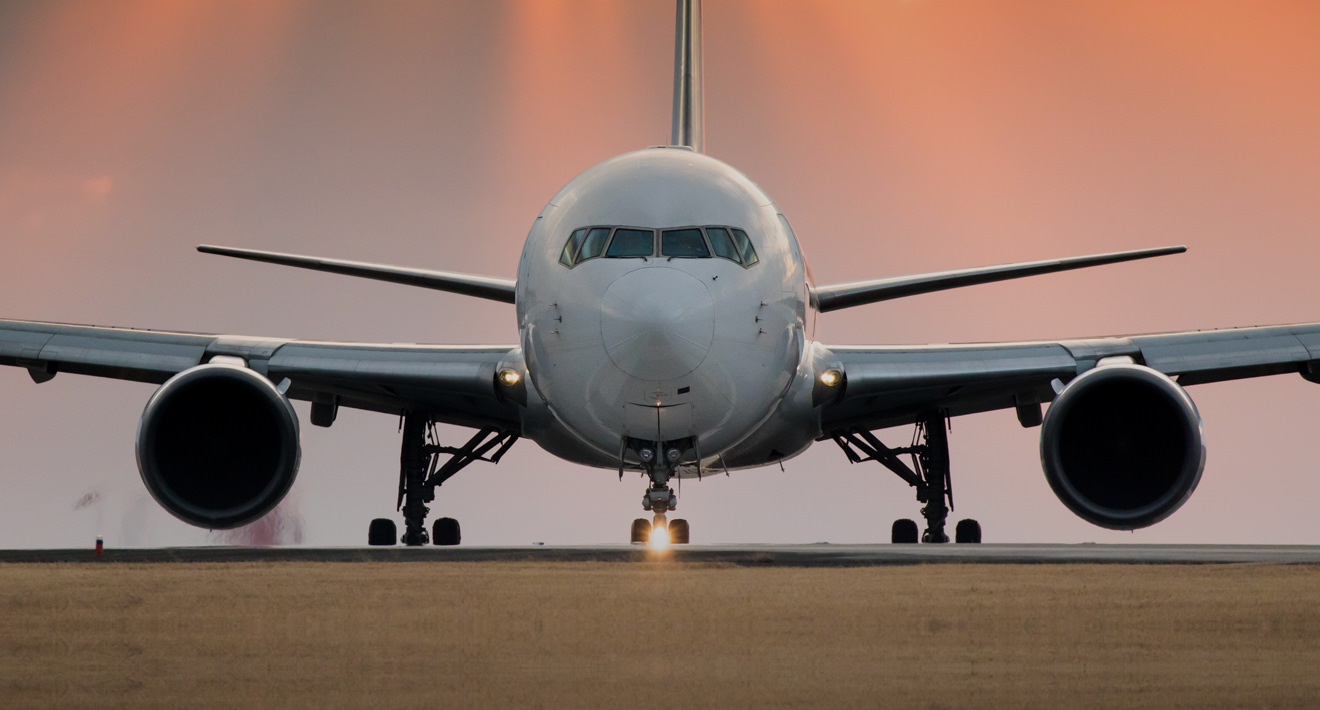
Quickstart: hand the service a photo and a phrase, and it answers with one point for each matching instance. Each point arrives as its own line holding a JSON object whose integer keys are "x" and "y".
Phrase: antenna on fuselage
{"x": 689, "y": 119}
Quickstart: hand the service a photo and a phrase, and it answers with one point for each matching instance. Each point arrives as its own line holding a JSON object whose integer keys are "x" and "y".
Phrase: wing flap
{"x": 21, "y": 346}
{"x": 456, "y": 370}
{"x": 1212, "y": 356}
{"x": 893, "y": 369}
{"x": 455, "y": 383}
{"x": 892, "y": 386}
{"x": 895, "y": 385}
{"x": 120, "y": 353}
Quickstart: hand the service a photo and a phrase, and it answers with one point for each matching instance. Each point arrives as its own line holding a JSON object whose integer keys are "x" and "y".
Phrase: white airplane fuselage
{"x": 662, "y": 348}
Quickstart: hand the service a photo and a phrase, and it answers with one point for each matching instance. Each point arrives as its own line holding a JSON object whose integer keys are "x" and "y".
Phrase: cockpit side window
{"x": 745, "y": 247}
{"x": 722, "y": 244}
{"x": 571, "y": 247}
{"x": 631, "y": 243}
{"x": 594, "y": 243}
{"x": 686, "y": 243}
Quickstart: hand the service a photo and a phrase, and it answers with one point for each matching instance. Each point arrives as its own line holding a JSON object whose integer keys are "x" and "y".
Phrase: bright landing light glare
{"x": 659, "y": 538}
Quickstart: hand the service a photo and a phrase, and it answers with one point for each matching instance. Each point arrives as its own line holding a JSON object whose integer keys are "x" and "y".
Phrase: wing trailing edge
{"x": 857, "y": 293}
{"x": 487, "y": 287}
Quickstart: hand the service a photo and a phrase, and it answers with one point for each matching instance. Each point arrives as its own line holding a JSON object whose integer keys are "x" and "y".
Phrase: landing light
{"x": 830, "y": 378}
{"x": 659, "y": 537}
{"x": 509, "y": 378}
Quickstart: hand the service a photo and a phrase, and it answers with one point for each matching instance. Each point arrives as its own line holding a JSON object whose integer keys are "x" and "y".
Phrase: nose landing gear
{"x": 659, "y": 497}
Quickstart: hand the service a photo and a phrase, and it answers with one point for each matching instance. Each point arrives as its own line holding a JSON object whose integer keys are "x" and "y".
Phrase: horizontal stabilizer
{"x": 488, "y": 287}
{"x": 857, "y": 293}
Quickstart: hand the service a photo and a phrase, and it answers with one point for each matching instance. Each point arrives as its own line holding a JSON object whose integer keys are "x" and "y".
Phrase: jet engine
{"x": 1122, "y": 446}
{"x": 217, "y": 446}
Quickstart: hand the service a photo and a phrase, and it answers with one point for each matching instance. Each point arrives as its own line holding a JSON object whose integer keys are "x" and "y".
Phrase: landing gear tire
{"x": 445, "y": 531}
{"x": 968, "y": 530}
{"x": 678, "y": 531}
{"x": 641, "y": 531}
{"x": 382, "y": 532}
{"x": 904, "y": 532}
{"x": 928, "y": 474}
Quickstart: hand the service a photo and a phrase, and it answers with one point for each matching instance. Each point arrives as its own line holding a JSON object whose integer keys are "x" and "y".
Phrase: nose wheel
{"x": 659, "y": 498}
{"x": 643, "y": 531}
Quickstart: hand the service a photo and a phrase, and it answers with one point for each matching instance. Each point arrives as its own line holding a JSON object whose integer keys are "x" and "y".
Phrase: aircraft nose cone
{"x": 657, "y": 323}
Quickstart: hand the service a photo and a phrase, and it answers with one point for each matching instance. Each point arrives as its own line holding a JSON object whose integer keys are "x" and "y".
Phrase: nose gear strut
{"x": 659, "y": 468}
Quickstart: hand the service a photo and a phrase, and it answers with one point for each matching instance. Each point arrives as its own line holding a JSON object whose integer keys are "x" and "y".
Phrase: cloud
{"x": 35, "y": 202}
{"x": 98, "y": 188}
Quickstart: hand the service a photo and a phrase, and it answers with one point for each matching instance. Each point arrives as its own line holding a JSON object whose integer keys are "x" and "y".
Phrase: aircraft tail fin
{"x": 689, "y": 118}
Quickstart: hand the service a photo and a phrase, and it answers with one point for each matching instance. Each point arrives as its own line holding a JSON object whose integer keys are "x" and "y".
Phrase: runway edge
{"x": 816, "y": 555}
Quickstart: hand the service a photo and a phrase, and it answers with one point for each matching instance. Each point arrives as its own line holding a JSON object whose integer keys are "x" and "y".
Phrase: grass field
{"x": 661, "y": 635}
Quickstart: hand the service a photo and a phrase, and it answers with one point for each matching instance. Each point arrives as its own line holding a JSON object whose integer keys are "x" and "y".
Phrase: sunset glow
{"x": 898, "y": 137}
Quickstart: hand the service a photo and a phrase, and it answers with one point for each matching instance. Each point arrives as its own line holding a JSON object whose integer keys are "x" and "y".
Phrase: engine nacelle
{"x": 217, "y": 446}
{"x": 1122, "y": 446}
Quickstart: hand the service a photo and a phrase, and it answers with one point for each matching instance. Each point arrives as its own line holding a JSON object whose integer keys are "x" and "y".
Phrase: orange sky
{"x": 898, "y": 136}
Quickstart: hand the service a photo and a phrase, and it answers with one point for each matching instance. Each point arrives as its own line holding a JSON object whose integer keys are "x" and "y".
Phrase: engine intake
{"x": 1122, "y": 446}
{"x": 217, "y": 446}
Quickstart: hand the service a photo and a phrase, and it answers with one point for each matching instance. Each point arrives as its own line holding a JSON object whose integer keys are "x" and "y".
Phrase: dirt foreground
{"x": 665, "y": 635}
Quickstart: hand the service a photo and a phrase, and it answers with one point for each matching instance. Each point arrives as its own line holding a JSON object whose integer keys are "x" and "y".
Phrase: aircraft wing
{"x": 891, "y": 386}
{"x": 456, "y": 384}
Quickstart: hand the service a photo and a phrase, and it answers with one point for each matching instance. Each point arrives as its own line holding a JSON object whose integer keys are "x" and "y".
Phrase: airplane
{"x": 666, "y": 322}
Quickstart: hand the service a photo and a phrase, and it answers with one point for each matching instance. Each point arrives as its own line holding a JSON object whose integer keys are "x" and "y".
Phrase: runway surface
{"x": 816, "y": 555}
{"x": 763, "y": 626}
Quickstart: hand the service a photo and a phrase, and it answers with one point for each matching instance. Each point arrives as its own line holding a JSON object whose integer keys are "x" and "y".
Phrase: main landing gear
{"x": 659, "y": 497}
{"x": 420, "y": 473}
{"x": 929, "y": 475}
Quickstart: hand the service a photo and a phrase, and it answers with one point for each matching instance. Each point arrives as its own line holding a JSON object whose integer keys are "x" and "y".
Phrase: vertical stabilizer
{"x": 688, "y": 117}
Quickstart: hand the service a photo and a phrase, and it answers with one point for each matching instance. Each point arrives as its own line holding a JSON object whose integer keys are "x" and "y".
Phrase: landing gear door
{"x": 657, "y": 423}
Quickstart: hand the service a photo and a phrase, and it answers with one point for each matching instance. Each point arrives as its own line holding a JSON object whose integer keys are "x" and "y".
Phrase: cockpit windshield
{"x": 631, "y": 242}
{"x": 683, "y": 242}
{"x": 594, "y": 244}
{"x": 728, "y": 243}
{"x": 721, "y": 243}
{"x": 745, "y": 247}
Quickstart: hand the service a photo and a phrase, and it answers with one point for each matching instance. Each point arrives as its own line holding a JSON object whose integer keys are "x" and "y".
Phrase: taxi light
{"x": 659, "y": 537}
{"x": 830, "y": 378}
{"x": 509, "y": 378}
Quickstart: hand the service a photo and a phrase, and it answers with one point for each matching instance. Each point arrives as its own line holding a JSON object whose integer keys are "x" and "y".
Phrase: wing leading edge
{"x": 859, "y": 293}
{"x": 891, "y": 386}
{"x": 456, "y": 384}
{"x": 488, "y": 287}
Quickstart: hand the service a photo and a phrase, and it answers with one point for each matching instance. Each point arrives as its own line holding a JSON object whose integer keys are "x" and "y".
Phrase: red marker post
{"x": 100, "y": 547}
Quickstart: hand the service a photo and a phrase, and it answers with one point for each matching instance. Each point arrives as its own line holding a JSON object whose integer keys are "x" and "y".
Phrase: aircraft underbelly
{"x": 663, "y": 423}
